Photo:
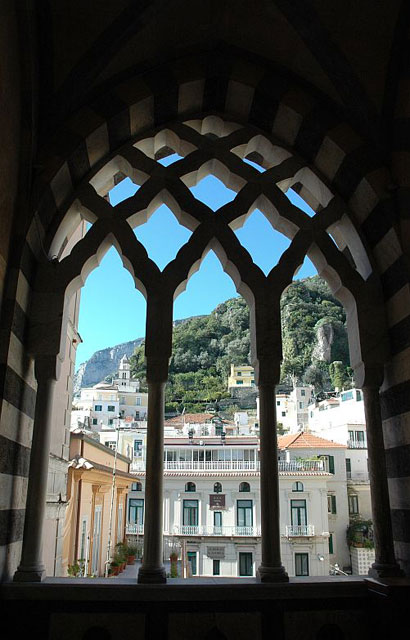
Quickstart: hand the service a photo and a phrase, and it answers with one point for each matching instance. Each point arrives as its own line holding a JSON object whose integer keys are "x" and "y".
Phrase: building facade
{"x": 97, "y": 498}
{"x": 212, "y": 506}
{"x": 100, "y": 406}
{"x": 341, "y": 418}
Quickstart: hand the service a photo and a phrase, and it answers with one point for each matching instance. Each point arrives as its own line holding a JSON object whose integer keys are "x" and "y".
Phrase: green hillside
{"x": 314, "y": 338}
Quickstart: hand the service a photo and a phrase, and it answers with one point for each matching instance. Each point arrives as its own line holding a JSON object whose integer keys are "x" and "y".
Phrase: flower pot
{"x": 131, "y": 560}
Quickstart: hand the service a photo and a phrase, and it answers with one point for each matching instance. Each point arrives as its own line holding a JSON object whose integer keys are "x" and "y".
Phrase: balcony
{"x": 292, "y": 466}
{"x": 200, "y": 530}
{"x": 300, "y": 530}
{"x": 356, "y": 444}
{"x": 134, "y": 529}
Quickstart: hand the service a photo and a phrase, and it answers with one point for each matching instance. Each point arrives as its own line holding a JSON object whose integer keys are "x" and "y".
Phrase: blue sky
{"x": 113, "y": 311}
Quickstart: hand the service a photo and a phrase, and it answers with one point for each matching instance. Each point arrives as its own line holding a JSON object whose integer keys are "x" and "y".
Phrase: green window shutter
{"x": 333, "y": 504}
{"x": 331, "y": 543}
{"x": 331, "y": 464}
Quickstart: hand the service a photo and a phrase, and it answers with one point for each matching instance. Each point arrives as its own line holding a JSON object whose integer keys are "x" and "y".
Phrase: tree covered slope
{"x": 314, "y": 340}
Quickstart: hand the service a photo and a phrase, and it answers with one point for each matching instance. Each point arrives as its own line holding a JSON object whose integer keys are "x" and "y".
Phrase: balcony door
{"x": 190, "y": 513}
{"x": 136, "y": 511}
{"x": 298, "y": 513}
{"x": 244, "y": 516}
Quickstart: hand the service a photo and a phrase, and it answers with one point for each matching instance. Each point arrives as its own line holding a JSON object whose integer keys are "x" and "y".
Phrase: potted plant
{"x": 131, "y": 554}
{"x": 73, "y": 570}
{"x": 121, "y": 555}
{"x": 115, "y": 567}
{"x": 173, "y": 556}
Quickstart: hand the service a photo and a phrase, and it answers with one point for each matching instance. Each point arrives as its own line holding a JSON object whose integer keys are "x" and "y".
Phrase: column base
{"x": 152, "y": 576}
{"x": 23, "y": 574}
{"x": 272, "y": 574}
{"x": 379, "y": 570}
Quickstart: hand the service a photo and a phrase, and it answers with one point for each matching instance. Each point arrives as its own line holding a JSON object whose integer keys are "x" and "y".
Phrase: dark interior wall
{"x": 9, "y": 126}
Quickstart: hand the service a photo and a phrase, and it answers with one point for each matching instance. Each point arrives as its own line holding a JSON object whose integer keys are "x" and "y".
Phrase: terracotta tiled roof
{"x": 303, "y": 440}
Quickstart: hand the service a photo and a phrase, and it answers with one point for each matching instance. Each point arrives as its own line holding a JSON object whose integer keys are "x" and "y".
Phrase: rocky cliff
{"x": 103, "y": 363}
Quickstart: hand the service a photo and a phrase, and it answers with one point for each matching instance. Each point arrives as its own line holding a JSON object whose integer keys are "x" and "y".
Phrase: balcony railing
{"x": 300, "y": 530}
{"x": 134, "y": 529}
{"x": 200, "y": 530}
{"x": 356, "y": 444}
{"x": 292, "y": 466}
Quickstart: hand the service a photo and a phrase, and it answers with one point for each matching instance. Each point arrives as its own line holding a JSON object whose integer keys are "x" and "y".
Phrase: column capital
{"x": 369, "y": 376}
{"x": 47, "y": 368}
{"x": 267, "y": 371}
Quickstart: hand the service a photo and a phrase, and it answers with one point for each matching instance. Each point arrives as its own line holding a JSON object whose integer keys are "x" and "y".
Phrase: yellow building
{"x": 241, "y": 376}
{"x": 89, "y": 492}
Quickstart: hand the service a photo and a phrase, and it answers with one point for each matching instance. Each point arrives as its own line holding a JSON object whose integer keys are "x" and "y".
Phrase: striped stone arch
{"x": 249, "y": 93}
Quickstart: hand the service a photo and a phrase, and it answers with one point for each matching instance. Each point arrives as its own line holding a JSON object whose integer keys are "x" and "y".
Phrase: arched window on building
{"x": 190, "y": 487}
{"x": 244, "y": 487}
{"x": 297, "y": 486}
{"x": 217, "y": 487}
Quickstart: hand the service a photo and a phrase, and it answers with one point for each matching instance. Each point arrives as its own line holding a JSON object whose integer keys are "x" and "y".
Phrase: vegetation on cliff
{"x": 314, "y": 343}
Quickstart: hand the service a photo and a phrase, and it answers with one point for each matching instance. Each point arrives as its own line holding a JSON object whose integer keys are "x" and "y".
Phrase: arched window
{"x": 138, "y": 486}
{"x": 244, "y": 487}
{"x": 297, "y": 486}
{"x": 190, "y": 486}
{"x": 217, "y": 487}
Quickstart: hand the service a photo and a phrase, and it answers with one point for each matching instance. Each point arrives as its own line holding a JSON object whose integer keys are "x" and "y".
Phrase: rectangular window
{"x": 331, "y": 543}
{"x": 348, "y": 468}
{"x": 300, "y": 405}
{"x": 301, "y": 564}
{"x": 95, "y": 560}
{"x": 98, "y": 407}
{"x": 331, "y": 504}
{"x": 138, "y": 402}
{"x": 83, "y": 539}
{"x": 136, "y": 511}
{"x": 95, "y": 421}
{"x": 111, "y": 407}
{"x": 278, "y": 403}
{"x": 137, "y": 448}
{"x": 283, "y": 414}
{"x": 353, "y": 504}
{"x": 298, "y": 512}
{"x": 244, "y": 517}
{"x": 110, "y": 421}
{"x": 218, "y": 522}
{"x": 245, "y": 564}
{"x": 216, "y": 569}
{"x": 359, "y": 436}
{"x": 190, "y": 513}
{"x": 239, "y": 382}
{"x": 303, "y": 392}
{"x": 330, "y": 463}
{"x": 192, "y": 561}
{"x": 120, "y": 529}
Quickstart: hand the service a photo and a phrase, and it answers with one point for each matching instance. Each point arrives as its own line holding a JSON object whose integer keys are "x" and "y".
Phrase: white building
{"x": 342, "y": 420}
{"x": 212, "y": 503}
{"x": 99, "y": 406}
{"x": 292, "y": 410}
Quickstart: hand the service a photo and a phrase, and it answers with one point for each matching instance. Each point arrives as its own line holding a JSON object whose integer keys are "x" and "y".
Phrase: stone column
{"x": 271, "y": 568}
{"x": 385, "y": 564}
{"x": 152, "y": 569}
{"x": 31, "y": 567}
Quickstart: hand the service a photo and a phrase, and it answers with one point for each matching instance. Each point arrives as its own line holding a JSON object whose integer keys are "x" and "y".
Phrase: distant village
{"x": 211, "y": 513}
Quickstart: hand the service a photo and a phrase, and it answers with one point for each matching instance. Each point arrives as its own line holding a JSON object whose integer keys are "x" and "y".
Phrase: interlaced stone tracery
{"x": 329, "y": 238}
